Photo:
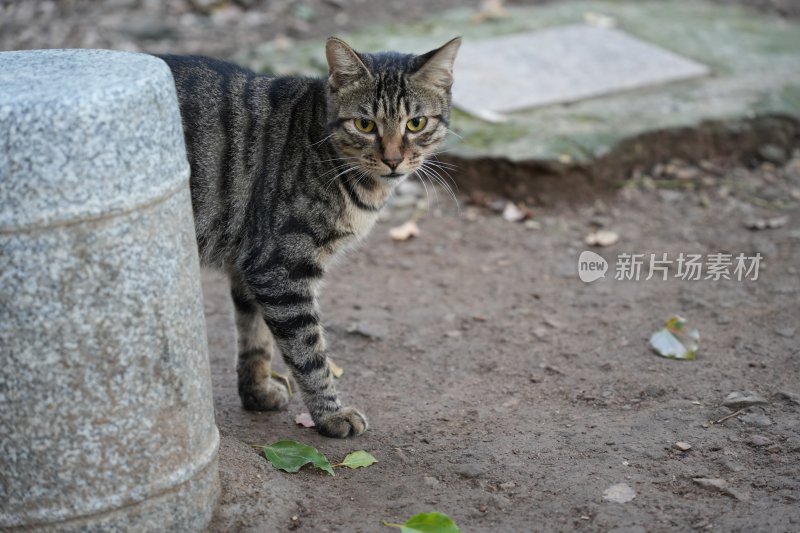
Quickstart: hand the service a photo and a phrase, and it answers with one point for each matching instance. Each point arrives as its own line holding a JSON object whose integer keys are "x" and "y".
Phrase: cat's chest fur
{"x": 354, "y": 223}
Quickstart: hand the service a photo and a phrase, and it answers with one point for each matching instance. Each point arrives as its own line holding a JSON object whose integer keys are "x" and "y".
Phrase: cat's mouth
{"x": 393, "y": 175}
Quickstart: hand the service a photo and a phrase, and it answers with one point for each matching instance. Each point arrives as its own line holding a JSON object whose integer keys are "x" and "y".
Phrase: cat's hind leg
{"x": 258, "y": 390}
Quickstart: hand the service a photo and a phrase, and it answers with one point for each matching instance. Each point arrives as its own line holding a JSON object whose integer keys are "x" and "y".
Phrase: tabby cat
{"x": 286, "y": 172}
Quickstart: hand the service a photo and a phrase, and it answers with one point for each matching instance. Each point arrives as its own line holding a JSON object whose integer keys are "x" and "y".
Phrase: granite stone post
{"x": 106, "y": 416}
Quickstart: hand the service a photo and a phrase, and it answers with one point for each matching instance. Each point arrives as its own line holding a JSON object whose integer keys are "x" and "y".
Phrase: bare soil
{"x": 507, "y": 393}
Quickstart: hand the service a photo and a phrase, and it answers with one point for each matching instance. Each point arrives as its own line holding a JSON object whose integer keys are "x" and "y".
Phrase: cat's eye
{"x": 416, "y": 124}
{"x": 364, "y": 125}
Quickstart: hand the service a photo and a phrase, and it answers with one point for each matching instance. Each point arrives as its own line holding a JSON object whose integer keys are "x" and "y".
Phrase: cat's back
{"x": 248, "y": 141}
{"x": 210, "y": 91}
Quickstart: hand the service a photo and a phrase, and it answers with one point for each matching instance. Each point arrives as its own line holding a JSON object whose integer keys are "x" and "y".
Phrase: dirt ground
{"x": 507, "y": 393}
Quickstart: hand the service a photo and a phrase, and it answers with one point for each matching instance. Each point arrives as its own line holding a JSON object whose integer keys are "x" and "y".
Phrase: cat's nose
{"x": 393, "y": 162}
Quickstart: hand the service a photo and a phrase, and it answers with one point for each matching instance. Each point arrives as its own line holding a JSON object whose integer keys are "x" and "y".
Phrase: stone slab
{"x": 558, "y": 65}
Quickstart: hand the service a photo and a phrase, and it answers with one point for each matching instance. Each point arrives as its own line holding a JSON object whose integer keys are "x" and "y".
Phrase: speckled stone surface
{"x": 106, "y": 415}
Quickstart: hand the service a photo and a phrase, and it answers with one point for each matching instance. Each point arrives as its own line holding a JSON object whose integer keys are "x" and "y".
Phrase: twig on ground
{"x": 724, "y": 418}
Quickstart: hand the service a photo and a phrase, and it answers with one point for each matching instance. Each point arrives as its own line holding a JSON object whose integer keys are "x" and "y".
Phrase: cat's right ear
{"x": 344, "y": 64}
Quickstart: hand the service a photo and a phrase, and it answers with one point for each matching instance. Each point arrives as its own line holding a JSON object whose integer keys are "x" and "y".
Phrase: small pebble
{"x": 469, "y": 470}
{"x": 759, "y": 440}
{"x": 683, "y": 446}
{"x": 619, "y": 493}
{"x": 431, "y": 481}
{"x": 756, "y": 419}
{"x": 742, "y": 399}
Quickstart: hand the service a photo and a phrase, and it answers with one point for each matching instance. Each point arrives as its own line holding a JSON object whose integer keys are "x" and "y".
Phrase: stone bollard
{"x": 106, "y": 416}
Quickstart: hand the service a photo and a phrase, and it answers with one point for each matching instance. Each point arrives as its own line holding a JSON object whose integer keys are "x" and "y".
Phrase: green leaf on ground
{"x": 427, "y": 523}
{"x": 675, "y": 341}
{"x": 291, "y": 456}
{"x": 358, "y": 459}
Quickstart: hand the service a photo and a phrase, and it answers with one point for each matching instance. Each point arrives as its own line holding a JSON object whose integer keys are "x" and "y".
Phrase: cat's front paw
{"x": 346, "y": 422}
{"x": 269, "y": 395}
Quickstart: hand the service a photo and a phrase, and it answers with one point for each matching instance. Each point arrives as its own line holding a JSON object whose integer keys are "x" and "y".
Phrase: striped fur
{"x": 282, "y": 180}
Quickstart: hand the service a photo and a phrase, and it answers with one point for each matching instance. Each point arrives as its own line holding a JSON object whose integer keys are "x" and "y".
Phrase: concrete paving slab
{"x": 558, "y": 65}
{"x": 754, "y": 61}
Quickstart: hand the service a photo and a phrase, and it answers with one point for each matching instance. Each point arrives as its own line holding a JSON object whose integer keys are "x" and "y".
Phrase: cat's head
{"x": 388, "y": 111}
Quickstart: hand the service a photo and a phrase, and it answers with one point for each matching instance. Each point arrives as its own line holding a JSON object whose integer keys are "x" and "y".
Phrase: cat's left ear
{"x": 437, "y": 65}
{"x": 344, "y": 64}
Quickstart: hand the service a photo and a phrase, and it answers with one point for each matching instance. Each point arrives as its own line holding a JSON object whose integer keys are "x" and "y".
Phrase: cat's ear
{"x": 344, "y": 64}
{"x": 437, "y": 65}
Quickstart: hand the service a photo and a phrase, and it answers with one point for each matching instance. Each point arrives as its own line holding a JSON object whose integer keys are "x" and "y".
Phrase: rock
{"x": 773, "y": 153}
{"x": 99, "y": 259}
{"x": 469, "y": 470}
{"x": 742, "y": 399}
{"x": 788, "y": 396}
{"x": 619, "y": 493}
{"x": 671, "y": 197}
{"x": 756, "y": 419}
{"x": 759, "y": 441}
{"x": 430, "y": 481}
{"x": 682, "y": 446}
{"x": 720, "y": 485}
{"x": 786, "y": 332}
{"x": 766, "y": 223}
{"x": 500, "y": 502}
{"x": 368, "y": 330}
{"x": 507, "y": 485}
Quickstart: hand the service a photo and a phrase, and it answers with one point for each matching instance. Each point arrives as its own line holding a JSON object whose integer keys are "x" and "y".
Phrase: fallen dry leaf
{"x": 336, "y": 370}
{"x": 405, "y": 231}
{"x": 304, "y": 419}
{"x": 490, "y": 10}
{"x": 512, "y": 213}
{"x": 602, "y": 238}
{"x": 598, "y": 20}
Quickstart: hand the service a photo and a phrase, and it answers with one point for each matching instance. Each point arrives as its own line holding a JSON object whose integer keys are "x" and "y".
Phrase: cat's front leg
{"x": 291, "y": 314}
{"x": 258, "y": 390}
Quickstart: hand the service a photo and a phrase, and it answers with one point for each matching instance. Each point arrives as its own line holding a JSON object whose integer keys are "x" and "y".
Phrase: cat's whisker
{"x": 437, "y": 164}
{"x": 338, "y": 159}
{"x": 439, "y": 179}
{"x": 345, "y": 171}
{"x": 338, "y": 167}
{"x": 454, "y": 133}
{"x": 444, "y": 163}
{"x": 443, "y": 168}
{"x": 323, "y": 139}
{"x": 422, "y": 181}
{"x": 427, "y": 174}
